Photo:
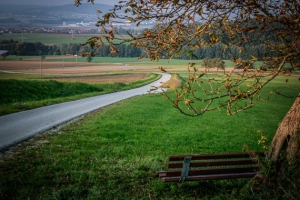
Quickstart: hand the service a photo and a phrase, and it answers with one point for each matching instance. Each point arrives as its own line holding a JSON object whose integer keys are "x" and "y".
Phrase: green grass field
{"x": 165, "y": 63}
{"x": 47, "y": 38}
{"x": 115, "y": 152}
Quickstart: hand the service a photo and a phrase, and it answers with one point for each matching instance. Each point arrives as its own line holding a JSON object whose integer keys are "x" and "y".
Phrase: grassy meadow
{"x": 176, "y": 63}
{"x": 47, "y": 38}
{"x": 173, "y": 64}
{"x": 114, "y": 153}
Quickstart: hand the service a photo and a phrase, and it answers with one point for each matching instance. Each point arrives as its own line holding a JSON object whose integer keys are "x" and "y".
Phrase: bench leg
{"x": 185, "y": 169}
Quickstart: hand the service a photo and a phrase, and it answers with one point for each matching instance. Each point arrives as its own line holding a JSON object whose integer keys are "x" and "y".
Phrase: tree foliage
{"x": 234, "y": 26}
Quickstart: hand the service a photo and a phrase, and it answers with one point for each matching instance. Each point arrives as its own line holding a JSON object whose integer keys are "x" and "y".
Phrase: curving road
{"x": 20, "y": 126}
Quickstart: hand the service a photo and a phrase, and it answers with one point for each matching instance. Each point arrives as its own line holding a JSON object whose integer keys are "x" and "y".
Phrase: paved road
{"x": 20, "y": 126}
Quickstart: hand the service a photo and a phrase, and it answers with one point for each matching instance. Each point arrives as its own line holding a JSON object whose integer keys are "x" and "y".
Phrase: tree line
{"x": 37, "y": 48}
{"x": 125, "y": 50}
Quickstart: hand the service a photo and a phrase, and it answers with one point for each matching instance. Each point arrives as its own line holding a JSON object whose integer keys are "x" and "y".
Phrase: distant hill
{"x": 33, "y": 14}
{"x": 18, "y": 9}
{"x": 85, "y": 8}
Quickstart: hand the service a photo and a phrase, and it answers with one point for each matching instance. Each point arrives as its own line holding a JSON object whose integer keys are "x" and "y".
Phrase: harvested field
{"x": 61, "y": 68}
{"x": 83, "y": 72}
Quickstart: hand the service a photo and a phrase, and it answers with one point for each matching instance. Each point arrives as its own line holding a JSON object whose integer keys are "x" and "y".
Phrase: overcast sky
{"x": 53, "y": 2}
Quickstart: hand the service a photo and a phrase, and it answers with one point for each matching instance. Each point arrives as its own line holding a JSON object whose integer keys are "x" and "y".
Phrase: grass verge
{"x": 115, "y": 152}
{"x": 18, "y": 95}
{"x": 173, "y": 83}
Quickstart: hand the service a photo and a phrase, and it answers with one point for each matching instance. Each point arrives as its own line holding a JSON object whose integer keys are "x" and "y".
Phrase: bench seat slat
{"x": 214, "y": 171}
{"x": 210, "y": 177}
{"x": 213, "y": 163}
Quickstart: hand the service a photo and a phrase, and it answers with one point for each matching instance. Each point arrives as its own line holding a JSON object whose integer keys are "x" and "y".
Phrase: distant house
{"x": 3, "y": 53}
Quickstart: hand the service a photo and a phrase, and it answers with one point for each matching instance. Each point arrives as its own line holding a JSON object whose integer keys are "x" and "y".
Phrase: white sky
{"x": 53, "y": 2}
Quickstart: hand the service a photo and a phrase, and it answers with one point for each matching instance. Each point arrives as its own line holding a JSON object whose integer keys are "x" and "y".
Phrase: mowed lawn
{"x": 114, "y": 153}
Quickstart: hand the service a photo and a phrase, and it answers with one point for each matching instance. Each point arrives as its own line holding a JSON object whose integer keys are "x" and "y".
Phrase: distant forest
{"x": 37, "y": 48}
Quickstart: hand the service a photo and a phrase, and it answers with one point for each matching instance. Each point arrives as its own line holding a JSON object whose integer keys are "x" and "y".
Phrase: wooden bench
{"x": 210, "y": 167}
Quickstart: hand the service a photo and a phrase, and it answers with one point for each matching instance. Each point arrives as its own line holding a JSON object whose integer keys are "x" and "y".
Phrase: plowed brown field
{"x": 83, "y": 72}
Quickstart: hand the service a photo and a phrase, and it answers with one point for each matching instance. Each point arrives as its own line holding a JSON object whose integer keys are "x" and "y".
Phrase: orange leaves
{"x": 188, "y": 101}
{"x": 200, "y": 11}
{"x": 198, "y": 27}
{"x": 153, "y": 88}
{"x": 114, "y": 51}
{"x": 238, "y": 62}
{"x": 88, "y": 54}
{"x": 191, "y": 64}
{"x": 98, "y": 44}
{"x": 200, "y": 75}
{"x": 130, "y": 19}
{"x": 258, "y": 16}
{"x": 250, "y": 29}
{"x": 111, "y": 35}
{"x": 172, "y": 40}
{"x": 214, "y": 39}
{"x": 162, "y": 69}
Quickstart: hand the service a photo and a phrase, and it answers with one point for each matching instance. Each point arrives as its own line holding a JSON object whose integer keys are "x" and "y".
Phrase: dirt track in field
{"x": 83, "y": 72}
